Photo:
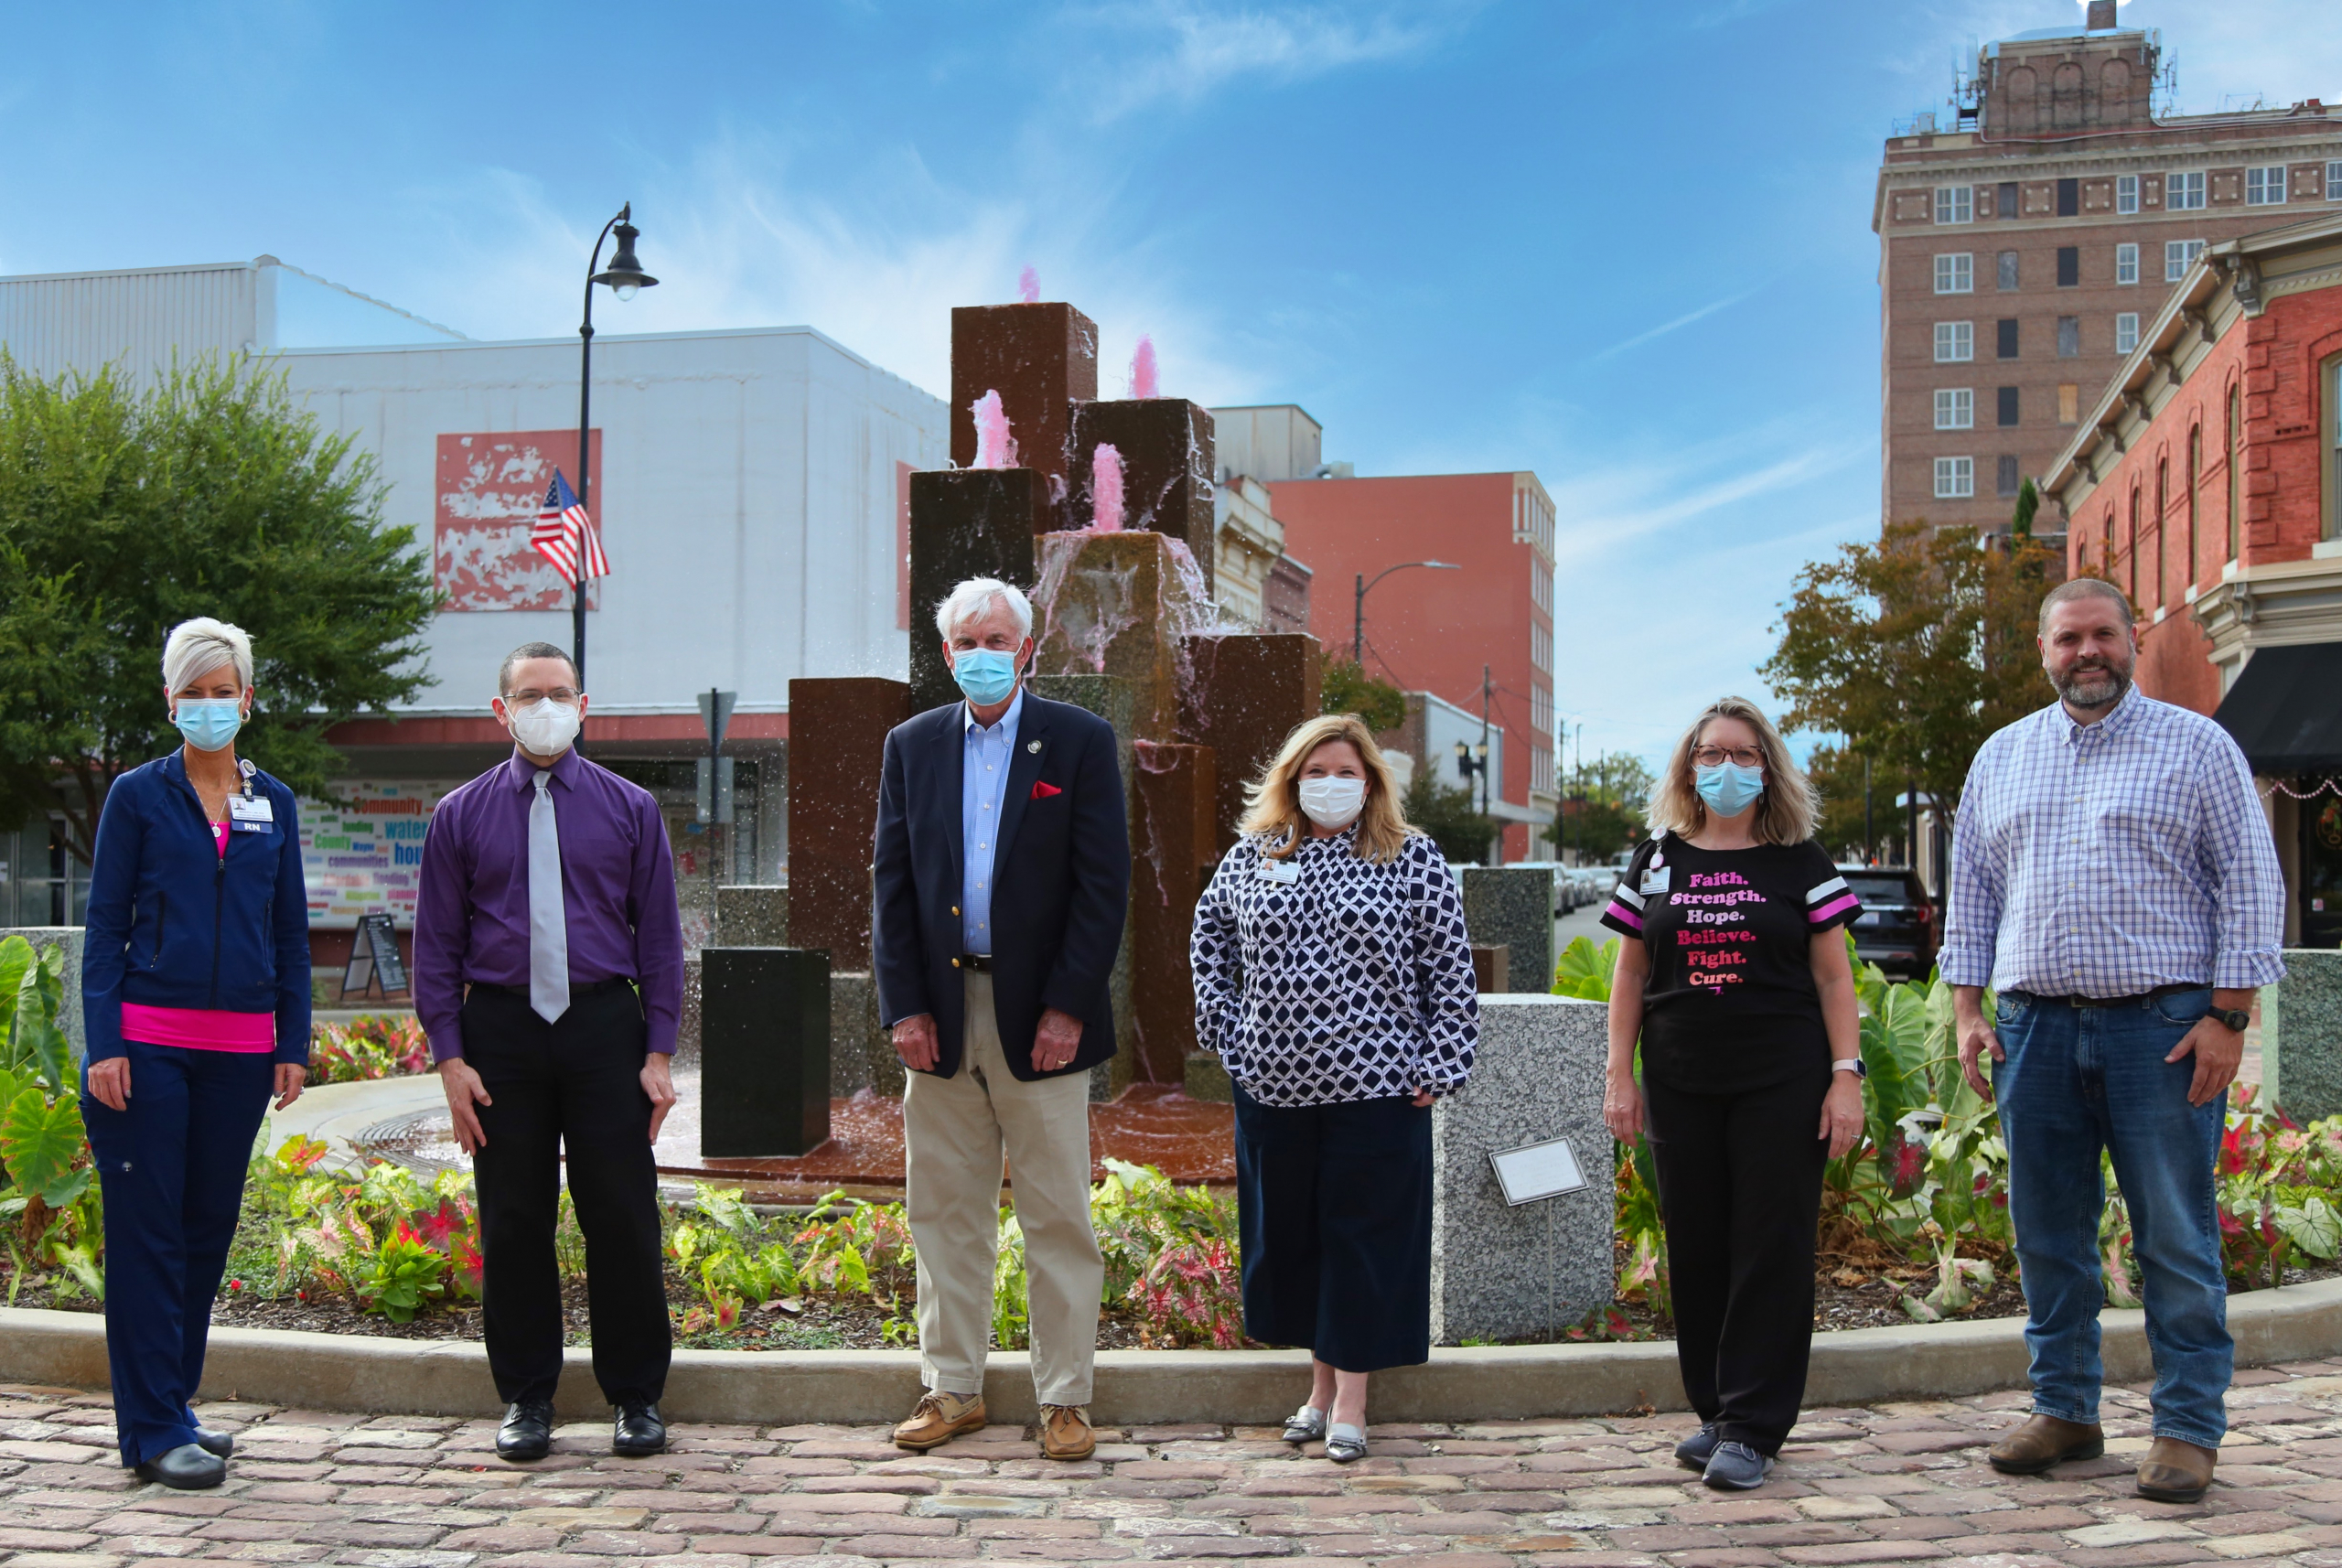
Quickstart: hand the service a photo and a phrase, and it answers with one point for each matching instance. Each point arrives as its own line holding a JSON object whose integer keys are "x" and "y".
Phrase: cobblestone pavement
{"x": 1895, "y": 1483}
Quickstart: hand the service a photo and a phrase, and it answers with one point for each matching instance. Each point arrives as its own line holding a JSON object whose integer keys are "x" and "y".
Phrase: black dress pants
{"x": 1333, "y": 1209}
{"x": 571, "y": 1087}
{"x": 1740, "y": 1188}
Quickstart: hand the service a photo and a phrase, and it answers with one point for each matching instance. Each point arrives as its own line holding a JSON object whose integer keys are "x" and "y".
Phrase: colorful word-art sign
{"x": 490, "y": 486}
{"x": 362, "y": 853}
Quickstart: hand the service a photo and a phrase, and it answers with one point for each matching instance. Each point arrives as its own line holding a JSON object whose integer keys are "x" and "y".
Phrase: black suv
{"x": 1898, "y": 927}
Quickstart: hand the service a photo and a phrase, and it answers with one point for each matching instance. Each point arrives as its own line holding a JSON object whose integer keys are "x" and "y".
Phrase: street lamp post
{"x": 1358, "y": 605}
{"x": 626, "y": 279}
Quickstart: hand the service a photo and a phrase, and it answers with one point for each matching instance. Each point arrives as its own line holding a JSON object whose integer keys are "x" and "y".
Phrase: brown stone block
{"x": 1118, "y": 604}
{"x": 1167, "y": 445}
{"x": 837, "y": 739}
{"x": 1241, "y": 696}
{"x": 1040, "y": 359}
{"x": 965, "y": 523}
{"x": 1172, "y": 852}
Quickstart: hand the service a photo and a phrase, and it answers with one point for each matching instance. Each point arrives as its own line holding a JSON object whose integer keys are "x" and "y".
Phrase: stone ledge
{"x": 1862, "y": 1366}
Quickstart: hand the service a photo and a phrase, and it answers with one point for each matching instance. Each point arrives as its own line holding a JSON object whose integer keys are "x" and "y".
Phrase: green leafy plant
{"x": 369, "y": 1047}
{"x": 407, "y": 1274}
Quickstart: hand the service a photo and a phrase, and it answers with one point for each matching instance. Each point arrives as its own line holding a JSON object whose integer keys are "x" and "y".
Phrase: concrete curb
{"x": 1862, "y": 1366}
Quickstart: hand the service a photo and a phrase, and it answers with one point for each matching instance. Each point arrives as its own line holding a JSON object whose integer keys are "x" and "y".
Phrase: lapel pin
{"x": 1032, "y": 746}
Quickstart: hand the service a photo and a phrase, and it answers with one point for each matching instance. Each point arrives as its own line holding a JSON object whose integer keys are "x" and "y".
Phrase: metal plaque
{"x": 1537, "y": 1171}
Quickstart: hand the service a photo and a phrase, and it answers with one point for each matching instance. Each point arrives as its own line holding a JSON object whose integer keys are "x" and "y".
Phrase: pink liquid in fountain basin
{"x": 995, "y": 447}
{"x": 1106, "y": 490}
{"x": 1143, "y": 379}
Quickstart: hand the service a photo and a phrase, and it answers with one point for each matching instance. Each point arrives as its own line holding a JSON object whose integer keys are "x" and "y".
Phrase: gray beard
{"x": 2093, "y": 688}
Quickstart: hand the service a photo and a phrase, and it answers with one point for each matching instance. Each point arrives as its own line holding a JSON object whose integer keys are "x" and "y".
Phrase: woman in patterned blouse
{"x": 1334, "y": 978}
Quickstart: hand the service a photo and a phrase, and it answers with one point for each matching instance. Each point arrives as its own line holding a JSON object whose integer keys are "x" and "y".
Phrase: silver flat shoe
{"x": 1345, "y": 1443}
{"x": 1306, "y": 1424}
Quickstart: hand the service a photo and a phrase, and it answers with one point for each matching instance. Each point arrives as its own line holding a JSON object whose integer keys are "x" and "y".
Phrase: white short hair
{"x": 975, "y": 597}
{"x": 198, "y": 647}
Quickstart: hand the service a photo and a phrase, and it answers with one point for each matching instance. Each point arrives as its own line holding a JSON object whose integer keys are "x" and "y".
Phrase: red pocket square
{"x": 1042, "y": 792}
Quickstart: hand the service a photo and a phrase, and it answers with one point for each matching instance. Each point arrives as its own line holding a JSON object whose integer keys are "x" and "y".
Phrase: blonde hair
{"x": 1786, "y": 811}
{"x": 1273, "y": 802}
{"x": 198, "y": 647}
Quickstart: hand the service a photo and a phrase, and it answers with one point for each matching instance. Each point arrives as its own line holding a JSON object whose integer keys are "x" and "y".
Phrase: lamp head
{"x": 625, "y": 274}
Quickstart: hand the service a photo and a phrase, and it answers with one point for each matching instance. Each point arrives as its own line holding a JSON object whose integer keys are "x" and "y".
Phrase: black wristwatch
{"x": 2236, "y": 1019}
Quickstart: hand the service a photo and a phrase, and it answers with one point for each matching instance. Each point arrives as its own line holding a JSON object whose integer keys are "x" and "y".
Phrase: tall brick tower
{"x": 2022, "y": 245}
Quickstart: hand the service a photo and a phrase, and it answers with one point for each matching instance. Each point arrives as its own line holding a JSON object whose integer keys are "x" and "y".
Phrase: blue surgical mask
{"x": 208, "y": 723}
{"x": 1728, "y": 787}
{"x": 987, "y": 674}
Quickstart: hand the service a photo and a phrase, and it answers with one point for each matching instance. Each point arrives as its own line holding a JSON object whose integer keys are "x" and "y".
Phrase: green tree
{"x": 1604, "y": 806}
{"x": 1914, "y": 649}
{"x": 123, "y": 512}
{"x": 2028, "y": 501}
{"x": 1444, "y": 811}
{"x": 1345, "y": 688}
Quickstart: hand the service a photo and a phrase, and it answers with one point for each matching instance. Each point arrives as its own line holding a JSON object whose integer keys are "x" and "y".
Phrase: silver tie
{"x": 548, "y": 930}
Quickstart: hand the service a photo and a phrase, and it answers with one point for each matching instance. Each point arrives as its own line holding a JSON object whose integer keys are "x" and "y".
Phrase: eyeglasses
{"x": 1716, "y": 756}
{"x": 561, "y": 695}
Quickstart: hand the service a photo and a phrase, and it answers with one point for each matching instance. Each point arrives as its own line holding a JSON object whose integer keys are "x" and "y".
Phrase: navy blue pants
{"x": 172, "y": 1171}
{"x": 1333, "y": 1204}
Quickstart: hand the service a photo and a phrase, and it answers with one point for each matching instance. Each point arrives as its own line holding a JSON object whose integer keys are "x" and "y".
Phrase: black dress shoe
{"x": 221, "y": 1442}
{"x": 186, "y": 1468}
{"x": 527, "y": 1432}
{"x": 640, "y": 1431}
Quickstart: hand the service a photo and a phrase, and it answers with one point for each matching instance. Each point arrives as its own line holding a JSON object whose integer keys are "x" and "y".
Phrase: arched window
{"x": 2131, "y": 550}
{"x": 2106, "y": 542}
{"x": 2194, "y": 475}
{"x": 2235, "y": 468}
{"x": 2162, "y": 522}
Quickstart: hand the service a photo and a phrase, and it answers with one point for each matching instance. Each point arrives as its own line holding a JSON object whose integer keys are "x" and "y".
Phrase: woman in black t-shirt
{"x": 1737, "y": 982}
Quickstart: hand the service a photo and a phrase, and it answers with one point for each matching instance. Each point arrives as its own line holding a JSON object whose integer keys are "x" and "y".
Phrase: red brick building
{"x": 1435, "y": 630}
{"x": 2205, "y": 480}
{"x": 2024, "y": 245}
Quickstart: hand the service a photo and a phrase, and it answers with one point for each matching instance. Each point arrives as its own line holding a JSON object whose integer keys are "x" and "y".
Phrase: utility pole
{"x": 1487, "y": 687}
{"x": 1870, "y": 838}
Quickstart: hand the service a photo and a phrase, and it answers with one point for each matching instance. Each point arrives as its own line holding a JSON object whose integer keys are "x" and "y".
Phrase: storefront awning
{"x": 2285, "y": 709}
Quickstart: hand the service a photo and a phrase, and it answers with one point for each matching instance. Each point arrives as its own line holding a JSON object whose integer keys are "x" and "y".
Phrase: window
{"x": 2010, "y": 481}
{"x": 2126, "y": 332}
{"x": 1955, "y": 408}
{"x": 2333, "y": 463}
{"x": 2162, "y": 522}
{"x": 2126, "y": 193}
{"x": 1955, "y": 341}
{"x": 2177, "y": 256}
{"x": 2005, "y": 272}
{"x": 2070, "y": 403}
{"x": 2195, "y": 477}
{"x": 2069, "y": 197}
{"x": 2265, "y": 186}
{"x": 1955, "y": 273}
{"x": 2131, "y": 550}
{"x": 1955, "y": 478}
{"x": 1953, "y": 203}
{"x": 2069, "y": 266}
{"x": 2235, "y": 452}
{"x": 2184, "y": 192}
{"x": 2007, "y": 399}
{"x": 2006, "y": 196}
{"x": 2333, "y": 180}
{"x": 2126, "y": 263}
{"x": 2069, "y": 337}
{"x": 2006, "y": 331}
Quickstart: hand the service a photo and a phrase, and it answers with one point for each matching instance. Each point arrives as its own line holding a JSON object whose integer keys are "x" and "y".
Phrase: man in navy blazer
{"x": 1002, "y": 874}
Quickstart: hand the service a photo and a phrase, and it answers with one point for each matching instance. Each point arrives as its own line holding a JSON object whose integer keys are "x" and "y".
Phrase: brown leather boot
{"x": 2044, "y": 1441}
{"x": 938, "y": 1417}
{"x": 2177, "y": 1472}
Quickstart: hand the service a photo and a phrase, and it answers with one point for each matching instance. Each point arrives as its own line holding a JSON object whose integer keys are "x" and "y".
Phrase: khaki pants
{"x": 953, "y": 1133}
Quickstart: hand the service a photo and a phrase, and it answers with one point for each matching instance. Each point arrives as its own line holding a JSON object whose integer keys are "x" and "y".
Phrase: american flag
{"x": 563, "y": 535}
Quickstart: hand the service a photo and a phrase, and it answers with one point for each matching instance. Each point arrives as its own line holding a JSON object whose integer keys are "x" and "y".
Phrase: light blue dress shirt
{"x": 984, "y": 792}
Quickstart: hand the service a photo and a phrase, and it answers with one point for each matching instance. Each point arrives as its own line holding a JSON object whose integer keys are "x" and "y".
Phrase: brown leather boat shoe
{"x": 1066, "y": 1434}
{"x": 2044, "y": 1441}
{"x": 938, "y": 1417}
{"x": 2175, "y": 1471}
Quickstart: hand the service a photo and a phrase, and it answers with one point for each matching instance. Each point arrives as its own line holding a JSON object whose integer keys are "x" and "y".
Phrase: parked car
{"x": 1898, "y": 927}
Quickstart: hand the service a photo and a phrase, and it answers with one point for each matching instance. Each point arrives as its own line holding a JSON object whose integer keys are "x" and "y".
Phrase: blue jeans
{"x": 2076, "y": 1079}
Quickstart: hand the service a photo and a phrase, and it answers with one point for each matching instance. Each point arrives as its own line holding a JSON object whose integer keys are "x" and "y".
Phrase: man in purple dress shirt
{"x": 548, "y": 975}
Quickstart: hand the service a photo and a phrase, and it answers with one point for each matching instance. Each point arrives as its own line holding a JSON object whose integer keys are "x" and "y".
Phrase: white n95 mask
{"x": 544, "y": 726}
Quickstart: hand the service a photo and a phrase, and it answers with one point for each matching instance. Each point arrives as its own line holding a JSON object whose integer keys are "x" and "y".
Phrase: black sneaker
{"x": 1736, "y": 1468}
{"x": 1693, "y": 1452}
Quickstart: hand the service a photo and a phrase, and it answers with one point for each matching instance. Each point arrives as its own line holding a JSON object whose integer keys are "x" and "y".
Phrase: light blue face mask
{"x": 208, "y": 723}
{"x": 987, "y": 674}
{"x": 1728, "y": 787}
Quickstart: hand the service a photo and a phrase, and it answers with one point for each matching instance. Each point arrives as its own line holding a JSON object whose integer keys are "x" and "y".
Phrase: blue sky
{"x": 1627, "y": 245}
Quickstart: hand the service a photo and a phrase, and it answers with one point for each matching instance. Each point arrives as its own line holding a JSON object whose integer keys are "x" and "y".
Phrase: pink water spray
{"x": 1143, "y": 373}
{"x": 1028, "y": 286}
{"x": 1106, "y": 490}
{"x": 995, "y": 446}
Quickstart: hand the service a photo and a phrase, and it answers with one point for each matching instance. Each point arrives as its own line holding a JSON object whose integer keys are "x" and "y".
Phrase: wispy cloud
{"x": 1206, "y": 50}
{"x": 1602, "y": 512}
{"x": 1640, "y": 338}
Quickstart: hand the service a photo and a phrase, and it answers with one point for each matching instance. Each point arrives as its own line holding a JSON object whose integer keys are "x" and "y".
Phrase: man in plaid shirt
{"x": 2113, "y": 876}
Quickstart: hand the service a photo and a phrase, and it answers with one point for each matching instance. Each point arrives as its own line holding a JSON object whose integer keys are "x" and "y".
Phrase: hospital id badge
{"x": 1279, "y": 871}
{"x": 1656, "y": 881}
{"x": 251, "y": 808}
